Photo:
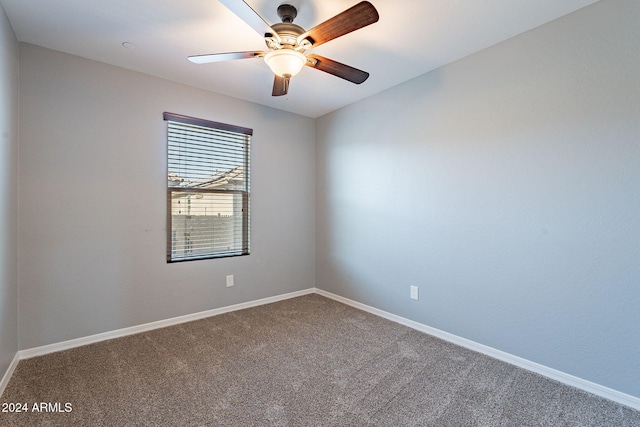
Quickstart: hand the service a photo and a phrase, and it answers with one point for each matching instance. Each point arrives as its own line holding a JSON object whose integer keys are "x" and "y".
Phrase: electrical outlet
{"x": 229, "y": 280}
{"x": 414, "y": 292}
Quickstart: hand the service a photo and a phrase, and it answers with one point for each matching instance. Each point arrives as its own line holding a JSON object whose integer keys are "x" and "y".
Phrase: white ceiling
{"x": 411, "y": 38}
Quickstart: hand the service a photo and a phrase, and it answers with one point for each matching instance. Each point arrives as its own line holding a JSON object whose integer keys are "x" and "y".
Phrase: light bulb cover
{"x": 285, "y": 62}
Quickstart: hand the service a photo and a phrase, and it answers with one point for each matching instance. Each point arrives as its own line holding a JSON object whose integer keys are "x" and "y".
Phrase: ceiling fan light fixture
{"x": 285, "y": 62}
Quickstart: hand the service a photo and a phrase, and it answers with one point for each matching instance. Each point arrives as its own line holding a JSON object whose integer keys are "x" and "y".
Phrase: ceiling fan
{"x": 288, "y": 42}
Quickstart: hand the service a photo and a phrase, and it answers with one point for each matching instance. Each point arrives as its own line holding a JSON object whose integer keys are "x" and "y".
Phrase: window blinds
{"x": 207, "y": 189}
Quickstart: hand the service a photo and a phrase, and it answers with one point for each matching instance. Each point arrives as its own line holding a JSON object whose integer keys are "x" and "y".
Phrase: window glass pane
{"x": 206, "y": 224}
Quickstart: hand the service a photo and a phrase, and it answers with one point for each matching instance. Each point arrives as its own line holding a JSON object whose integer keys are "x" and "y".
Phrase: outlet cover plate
{"x": 414, "y": 292}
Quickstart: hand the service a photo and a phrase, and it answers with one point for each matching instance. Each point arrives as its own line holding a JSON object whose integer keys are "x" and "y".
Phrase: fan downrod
{"x": 287, "y": 13}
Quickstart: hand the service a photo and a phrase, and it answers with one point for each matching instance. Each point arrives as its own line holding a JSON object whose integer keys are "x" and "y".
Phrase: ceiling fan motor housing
{"x": 288, "y": 33}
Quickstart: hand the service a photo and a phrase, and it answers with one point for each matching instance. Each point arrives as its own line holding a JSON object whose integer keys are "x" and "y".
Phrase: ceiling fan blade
{"x": 280, "y": 85}
{"x": 229, "y": 56}
{"x": 352, "y": 19}
{"x": 337, "y": 69}
{"x": 250, "y": 16}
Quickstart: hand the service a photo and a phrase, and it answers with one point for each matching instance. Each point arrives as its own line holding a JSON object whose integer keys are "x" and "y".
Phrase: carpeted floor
{"x": 307, "y": 361}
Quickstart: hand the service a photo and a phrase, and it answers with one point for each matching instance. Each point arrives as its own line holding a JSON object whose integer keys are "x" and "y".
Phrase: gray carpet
{"x": 307, "y": 361}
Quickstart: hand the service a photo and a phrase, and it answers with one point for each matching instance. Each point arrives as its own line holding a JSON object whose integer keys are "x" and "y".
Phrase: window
{"x": 207, "y": 189}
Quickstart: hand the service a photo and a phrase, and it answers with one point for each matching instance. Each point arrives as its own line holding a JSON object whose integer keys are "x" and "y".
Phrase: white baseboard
{"x": 118, "y": 333}
{"x": 9, "y": 372}
{"x": 588, "y": 386}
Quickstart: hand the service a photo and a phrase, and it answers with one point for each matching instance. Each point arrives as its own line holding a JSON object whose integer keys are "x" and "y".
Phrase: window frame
{"x": 245, "y": 194}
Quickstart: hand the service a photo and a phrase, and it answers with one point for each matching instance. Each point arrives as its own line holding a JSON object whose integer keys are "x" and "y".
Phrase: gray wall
{"x": 93, "y": 193}
{"x": 507, "y": 187}
{"x": 9, "y": 110}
